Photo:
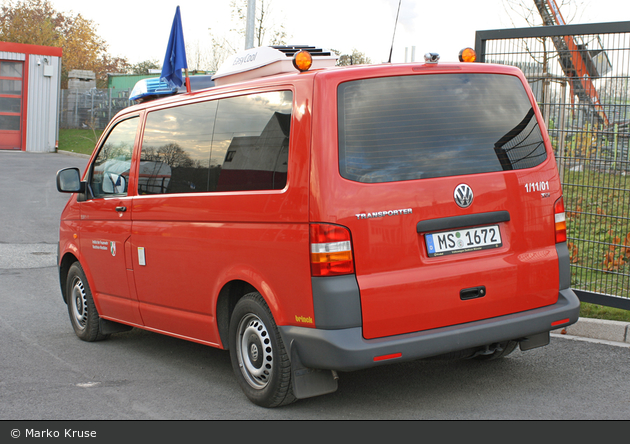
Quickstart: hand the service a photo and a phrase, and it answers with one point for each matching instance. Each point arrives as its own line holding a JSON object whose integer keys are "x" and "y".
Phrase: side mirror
{"x": 69, "y": 181}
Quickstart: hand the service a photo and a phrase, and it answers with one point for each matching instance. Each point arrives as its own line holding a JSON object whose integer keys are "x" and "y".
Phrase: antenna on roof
{"x": 395, "y": 24}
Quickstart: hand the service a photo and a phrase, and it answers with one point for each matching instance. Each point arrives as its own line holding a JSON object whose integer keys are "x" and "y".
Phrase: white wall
{"x": 42, "y": 114}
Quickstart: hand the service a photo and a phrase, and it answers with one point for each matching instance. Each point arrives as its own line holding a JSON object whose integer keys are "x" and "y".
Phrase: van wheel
{"x": 258, "y": 355}
{"x": 505, "y": 349}
{"x": 81, "y": 308}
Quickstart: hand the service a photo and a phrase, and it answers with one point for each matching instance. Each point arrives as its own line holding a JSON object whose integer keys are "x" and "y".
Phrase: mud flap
{"x": 309, "y": 382}
{"x": 107, "y": 327}
{"x": 539, "y": 340}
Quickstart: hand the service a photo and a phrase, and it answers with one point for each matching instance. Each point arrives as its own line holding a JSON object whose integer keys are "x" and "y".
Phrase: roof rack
{"x": 267, "y": 61}
{"x": 292, "y": 49}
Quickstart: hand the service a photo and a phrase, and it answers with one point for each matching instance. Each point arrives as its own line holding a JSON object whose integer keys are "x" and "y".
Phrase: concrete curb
{"x": 72, "y": 153}
{"x": 613, "y": 331}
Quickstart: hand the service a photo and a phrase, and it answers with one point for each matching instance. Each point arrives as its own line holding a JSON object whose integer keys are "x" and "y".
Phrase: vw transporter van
{"x": 314, "y": 219}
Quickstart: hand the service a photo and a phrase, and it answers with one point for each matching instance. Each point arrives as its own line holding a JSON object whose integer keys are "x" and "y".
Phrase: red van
{"x": 319, "y": 220}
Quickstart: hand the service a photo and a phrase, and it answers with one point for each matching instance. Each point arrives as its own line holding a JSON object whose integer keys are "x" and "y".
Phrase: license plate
{"x": 463, "y": 241}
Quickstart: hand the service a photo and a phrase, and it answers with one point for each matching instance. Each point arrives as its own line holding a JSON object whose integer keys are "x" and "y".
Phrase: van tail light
{"x": 561, "y": 223}
{"x": 331, "y": 250}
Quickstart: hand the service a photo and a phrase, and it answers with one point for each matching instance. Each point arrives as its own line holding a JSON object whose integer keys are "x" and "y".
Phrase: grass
{"x": 78, "y": 140}
{"x": 603, "y": 312}
{"x": 598, "y": 230}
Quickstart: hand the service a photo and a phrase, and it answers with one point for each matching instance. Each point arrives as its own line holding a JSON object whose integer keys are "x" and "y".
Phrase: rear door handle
{"x": 121, "y": 209}
{"x": 472, "y": 293}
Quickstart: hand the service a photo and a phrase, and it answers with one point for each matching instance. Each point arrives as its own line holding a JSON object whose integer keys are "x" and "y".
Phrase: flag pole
{"x": 187, "y": 80}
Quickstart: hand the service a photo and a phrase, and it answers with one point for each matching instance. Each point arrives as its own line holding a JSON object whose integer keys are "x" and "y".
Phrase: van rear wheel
{"x": 83, "y": 315}
{"x": 259, "y": 358}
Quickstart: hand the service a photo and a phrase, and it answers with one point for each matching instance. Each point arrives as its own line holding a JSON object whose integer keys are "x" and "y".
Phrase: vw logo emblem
{"x": 254, "y": 352}
{"x": 463, "y": 195}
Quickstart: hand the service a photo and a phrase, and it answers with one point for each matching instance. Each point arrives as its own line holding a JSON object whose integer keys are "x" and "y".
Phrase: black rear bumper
{"x": 347, "y": 350}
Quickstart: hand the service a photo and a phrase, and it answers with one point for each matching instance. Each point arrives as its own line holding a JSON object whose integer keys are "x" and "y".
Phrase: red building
{"x": 30, "y": 77}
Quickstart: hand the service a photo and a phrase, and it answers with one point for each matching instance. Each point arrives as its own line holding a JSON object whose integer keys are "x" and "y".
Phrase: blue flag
{"x": 175, "y": 59}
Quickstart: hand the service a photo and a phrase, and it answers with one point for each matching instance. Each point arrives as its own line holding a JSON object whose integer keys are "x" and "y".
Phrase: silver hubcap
{"x": 255, "y": 355}
{"x": 78, "y": 303}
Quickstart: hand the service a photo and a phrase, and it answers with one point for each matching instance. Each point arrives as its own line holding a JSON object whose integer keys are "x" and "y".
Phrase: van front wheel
{"x": 81, "y": 308}
{"x": 258, "y": 355}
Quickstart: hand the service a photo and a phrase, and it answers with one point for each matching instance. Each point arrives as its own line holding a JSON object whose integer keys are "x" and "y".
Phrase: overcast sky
{"x": 139, "y": 30}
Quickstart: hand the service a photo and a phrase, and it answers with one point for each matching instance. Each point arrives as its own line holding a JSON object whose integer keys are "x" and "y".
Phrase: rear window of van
{"x": 425, "y": 126}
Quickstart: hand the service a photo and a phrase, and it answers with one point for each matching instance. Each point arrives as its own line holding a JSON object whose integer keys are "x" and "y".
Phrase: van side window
{"x": 175, "y": 156}
{"x": 251, "y": 142}
{"x": 110, "y": 173}
{"x": 233, "y": 144}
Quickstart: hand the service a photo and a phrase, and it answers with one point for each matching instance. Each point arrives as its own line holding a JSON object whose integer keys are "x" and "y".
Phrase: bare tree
{"x": 267, "y": 32}
{"x": 543, "y": 50}
{"x": 528, "y": 11}
{"x": 221, "y": 48}
{"x": 265, "y": 26}
{"x": 198, "y": 56}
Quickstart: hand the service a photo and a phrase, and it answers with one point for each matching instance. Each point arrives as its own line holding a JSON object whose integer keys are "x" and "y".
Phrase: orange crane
{"x": 574, "y": 59}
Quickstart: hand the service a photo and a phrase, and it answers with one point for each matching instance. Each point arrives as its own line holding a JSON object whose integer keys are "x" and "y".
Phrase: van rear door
{"x": 448, "y": 188}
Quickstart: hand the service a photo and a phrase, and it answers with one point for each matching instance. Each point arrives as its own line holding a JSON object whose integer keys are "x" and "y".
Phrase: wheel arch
{"x": 64, "y": 266}
{"x": 229, "y": 295}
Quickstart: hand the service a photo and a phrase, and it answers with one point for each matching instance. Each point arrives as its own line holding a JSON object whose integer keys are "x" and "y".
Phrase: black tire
{"x": 259, "y": 359}
{"x": 505, "y": 348}
{"x": 83, "y": 315}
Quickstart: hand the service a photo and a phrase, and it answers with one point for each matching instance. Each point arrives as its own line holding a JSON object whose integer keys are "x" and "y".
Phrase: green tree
{"x": 142, "y": 68}
{"x": 36, "y": 22}
{"x": 354, "y": 58}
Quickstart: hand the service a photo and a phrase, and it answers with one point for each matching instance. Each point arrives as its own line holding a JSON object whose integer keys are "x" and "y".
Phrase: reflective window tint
{"x": 110, "y": 173}
{"x": 232, "y": 144}
{"x": 414, "y": 127}
{"x": 251, "y": 142}
{"x": 176, "y": 149}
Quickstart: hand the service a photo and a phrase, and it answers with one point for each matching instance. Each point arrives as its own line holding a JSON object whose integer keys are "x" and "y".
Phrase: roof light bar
{"x": 154, "y": 87}
{"x": 151, "y": 87}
